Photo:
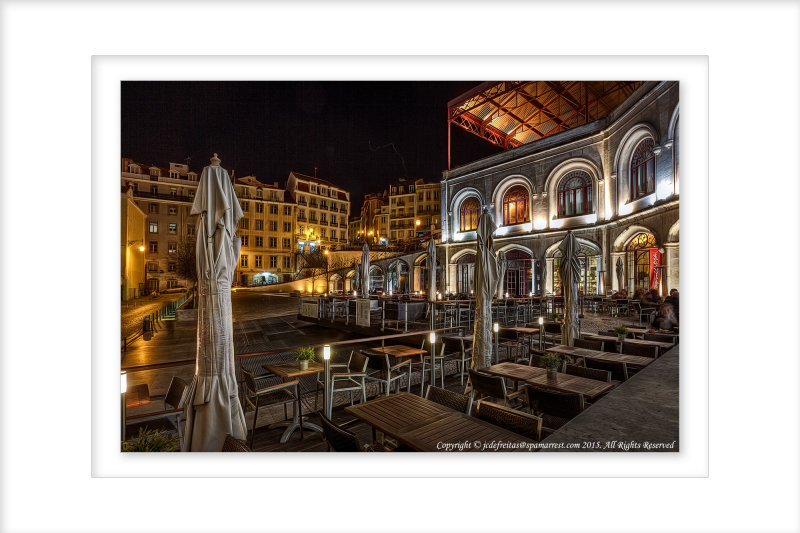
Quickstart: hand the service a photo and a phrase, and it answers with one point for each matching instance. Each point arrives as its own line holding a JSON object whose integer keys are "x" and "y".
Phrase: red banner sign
{"x": 655, "y": 262}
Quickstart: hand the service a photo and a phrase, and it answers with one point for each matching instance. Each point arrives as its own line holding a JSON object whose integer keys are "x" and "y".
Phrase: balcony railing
{"x": 158, "y": 196}
{"x": 302, "y": 202}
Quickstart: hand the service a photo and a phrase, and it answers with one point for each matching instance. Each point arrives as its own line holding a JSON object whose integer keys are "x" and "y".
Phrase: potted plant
{"x": 551, "y": 362}
{"x": 152, "y": 440}
{"x": 304, "y": 355}
{"x": 621, "y": 332}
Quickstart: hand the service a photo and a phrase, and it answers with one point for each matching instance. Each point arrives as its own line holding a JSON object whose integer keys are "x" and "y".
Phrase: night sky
{"x": 271, "y": 128}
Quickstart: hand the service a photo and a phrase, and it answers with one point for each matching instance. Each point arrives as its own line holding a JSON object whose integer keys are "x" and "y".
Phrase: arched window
{"x": 642, "y": 261}
{"x": 575, "y": 194}
{"x": 643, "y": 170}
{"x": 470, "y": 209}
{"x": 515, "y": 206}
{"x": 519, "y": 274}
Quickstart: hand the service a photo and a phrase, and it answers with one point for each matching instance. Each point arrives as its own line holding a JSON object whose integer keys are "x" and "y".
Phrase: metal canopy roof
{"x": 513, "y": 113}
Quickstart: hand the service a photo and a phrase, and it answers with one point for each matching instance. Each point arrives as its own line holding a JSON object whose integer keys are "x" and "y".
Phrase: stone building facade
{"x": 613, "y": 182}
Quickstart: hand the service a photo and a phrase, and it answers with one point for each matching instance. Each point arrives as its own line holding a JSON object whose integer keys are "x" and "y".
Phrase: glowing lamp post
{"x": 328, "y": 401}
{"x": 541, "y": 334}
{"x": 432, "y": 339}
{"x": 123, "y": 387}
{"x": 496, "y": 329}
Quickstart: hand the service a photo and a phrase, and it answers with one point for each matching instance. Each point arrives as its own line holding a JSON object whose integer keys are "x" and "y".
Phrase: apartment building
{"x": 267, "y": 231}
{"x": 323, "y": 211}
{"x": 414, "y": 209}
{"x": 369, "y": 210}
{"x": 165, "y": 196}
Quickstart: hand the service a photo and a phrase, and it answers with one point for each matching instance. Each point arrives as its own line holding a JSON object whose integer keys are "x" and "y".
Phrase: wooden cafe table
{"x": 533, "y": 375}
{"x": 288, "y": 371}
{"x": 637, "y": 361}
{"x": 427, "y": 426}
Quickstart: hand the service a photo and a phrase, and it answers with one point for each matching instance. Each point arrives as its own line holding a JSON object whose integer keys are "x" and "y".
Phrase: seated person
{"x": 665, "y": 319}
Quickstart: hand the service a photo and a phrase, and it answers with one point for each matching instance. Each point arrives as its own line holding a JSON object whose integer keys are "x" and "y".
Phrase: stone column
{"x": 547, "y": 280}
{"x": 452, "y": 278}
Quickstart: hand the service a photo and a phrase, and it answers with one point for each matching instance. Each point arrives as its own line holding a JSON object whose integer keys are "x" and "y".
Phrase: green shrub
{"x": 305, "y": 354}
{"x": 621, "y": 330}
{"x": 152, "y": 440}
{"x": 551, "y": 360}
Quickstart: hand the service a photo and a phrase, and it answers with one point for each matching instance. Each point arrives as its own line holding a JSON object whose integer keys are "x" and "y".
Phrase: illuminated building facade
{"x": 599, "y": 160}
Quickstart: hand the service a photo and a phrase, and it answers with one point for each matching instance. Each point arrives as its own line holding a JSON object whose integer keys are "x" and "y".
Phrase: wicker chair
{"x": 511, "y": 419}
{"x": 591, "y": 373}
{"x": 589, "y": 344}
{"x": 463, "y": 357}
{"x": 234, "y": 445}
{"x": 280, "y": 394}
{"x": 619, "y": 370}
{"x": 638, "y": 349}
{"x": 341, "y": 440}
{"x": 453, "y": 400}
{"x": 380, "y": 369}
{"x": 658, "y": 337}
{"x": 556, "y": 408}
{"x": 484, "y": 385}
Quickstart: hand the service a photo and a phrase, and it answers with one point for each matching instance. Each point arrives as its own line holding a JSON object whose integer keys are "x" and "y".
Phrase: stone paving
{"x": 133, "y": 311}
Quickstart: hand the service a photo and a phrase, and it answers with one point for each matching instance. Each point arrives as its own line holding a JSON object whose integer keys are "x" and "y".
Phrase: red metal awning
{"x": 512, "y": 113}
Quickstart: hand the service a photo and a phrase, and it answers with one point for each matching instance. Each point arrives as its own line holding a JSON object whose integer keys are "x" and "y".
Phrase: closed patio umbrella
{"x": 213, "y": 407}
{"x": 620, "y": 274}
{"x": 570, "y": 272}
{"x": 486, "y": 280}
{"x": 356, "y": 277}
{"x": 430, "y": 263}
{"x": 502, "y": 266}
{"x": 365, "y": 282}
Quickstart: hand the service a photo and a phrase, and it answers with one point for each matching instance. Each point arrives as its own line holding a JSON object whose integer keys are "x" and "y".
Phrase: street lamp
{"x": 496, "y": 329}
{"x": 432, "y": 339}
{"x": 123, "y": 387}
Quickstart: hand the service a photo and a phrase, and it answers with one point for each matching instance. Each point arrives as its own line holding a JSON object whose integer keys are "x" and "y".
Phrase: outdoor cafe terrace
{"x": 610, "y": 387}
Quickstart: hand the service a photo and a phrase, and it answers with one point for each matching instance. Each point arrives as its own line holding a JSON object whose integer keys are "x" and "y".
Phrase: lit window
{"x": 575, "y": 194}
{"x": 515, "y": 206}
{"x": 643, "y": 170}
{"x": 470, "y": 209}
{"x": 172, "y": 247}
{"x": 173, "y": 228}
{"x": 154, "y": 227}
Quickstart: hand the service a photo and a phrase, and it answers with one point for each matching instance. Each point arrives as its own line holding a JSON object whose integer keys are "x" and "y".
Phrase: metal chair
{"x": 174, "y": 407}
{"x": 453, "y": 400}
{"x": 280, "y": 394}
{"x": 463, "y": 357}
{"x": 346, "y": 378}
{"x": 554, "y": 407}
{"x": 511, "y": 419}
{"x": 380, "y": 369}
{"x": 484, "y": 385}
